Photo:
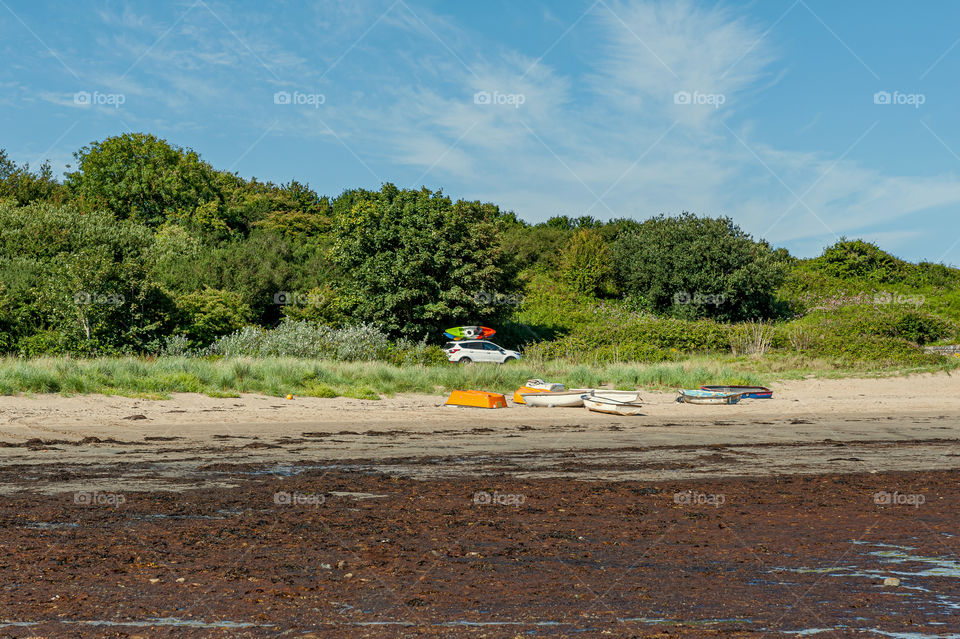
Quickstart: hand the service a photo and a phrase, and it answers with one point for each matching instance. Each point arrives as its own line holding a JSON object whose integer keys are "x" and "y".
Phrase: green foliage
{"x": 208, "y": 314}
{"x": 882, "y": 334}
{"x": 415, "y": 262}
{"x": 368, "y": 380}
{"x": 23, "y": 186}
{"x": 148, "y": 249}
{"x": 859, "y": 259}
{"x": 586, "y": 263}
{"x": 321, "y": 305}
{"x": 863, "y": 263}
{"x": 80, "y": 276}
{"x": 308, "y": 340}
{"x": 143, "y": 178}
{"x": 698, "y": 267}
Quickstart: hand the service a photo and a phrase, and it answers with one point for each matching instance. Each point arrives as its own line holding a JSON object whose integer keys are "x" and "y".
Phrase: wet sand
{"x": 259, "y": 517}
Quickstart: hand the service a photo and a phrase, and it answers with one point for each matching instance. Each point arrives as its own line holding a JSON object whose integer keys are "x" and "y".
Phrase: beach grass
{"x": 228, "y": 377}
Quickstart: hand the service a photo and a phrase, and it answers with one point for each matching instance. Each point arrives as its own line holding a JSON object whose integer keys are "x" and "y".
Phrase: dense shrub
{"x": 415, "y": 262}
{"x": 586, "y": 263}
{"x": 146, "y": 179}
{"x": 695, "y": 267}
{"x": 83, "y": 276}
{"x": 210, "y": 313}
{"x": 305, "y": 339}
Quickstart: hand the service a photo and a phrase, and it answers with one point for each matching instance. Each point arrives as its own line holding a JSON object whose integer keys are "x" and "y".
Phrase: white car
{"x": 478, "y": 350}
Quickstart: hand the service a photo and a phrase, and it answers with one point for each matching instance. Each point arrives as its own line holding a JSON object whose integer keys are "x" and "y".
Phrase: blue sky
{"x": 764, "y": 111}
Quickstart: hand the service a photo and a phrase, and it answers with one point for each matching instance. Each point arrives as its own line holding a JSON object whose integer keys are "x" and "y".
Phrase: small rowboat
{"x": 535, "y": 386}
{"x": 707, "y": 397}
{"x": 748, "y": 392}
{"x": 613, "y": 402}
{"x": 554, "y": 399}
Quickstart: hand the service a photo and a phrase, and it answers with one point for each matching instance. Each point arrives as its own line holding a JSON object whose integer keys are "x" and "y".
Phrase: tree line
{"x": 143, "y": 240}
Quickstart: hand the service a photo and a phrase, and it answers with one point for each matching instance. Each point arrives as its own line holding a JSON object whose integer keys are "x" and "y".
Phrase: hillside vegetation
{"x": 146, "y": 250}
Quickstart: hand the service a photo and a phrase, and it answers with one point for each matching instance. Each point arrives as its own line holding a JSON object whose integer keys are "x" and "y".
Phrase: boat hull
{"x": 707, "y": 397}
{"x": 555, "y": 399}
{"x": 746, "y": 392}
{"x": 611, "y": 407}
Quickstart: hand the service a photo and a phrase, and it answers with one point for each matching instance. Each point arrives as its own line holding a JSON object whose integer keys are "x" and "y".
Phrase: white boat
{"x": 555, "y": 399}
{"x": 539, "y": 384}
{"x": 613, "y": 402}
{"x": 617, "y": 395}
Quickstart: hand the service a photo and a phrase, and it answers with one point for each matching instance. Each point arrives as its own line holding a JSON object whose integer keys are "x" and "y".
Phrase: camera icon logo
{"x": 81, "y": 98}
{"x": 681, "y": 97}
{"x": 482, "y": 97}
{"x": 281, "y": 97}
{"x": 881, "y": 97}
{"x": 281, "y": 298}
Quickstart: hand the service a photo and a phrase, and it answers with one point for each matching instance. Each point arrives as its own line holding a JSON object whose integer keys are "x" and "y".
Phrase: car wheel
{"x": 465, "y": 360}
{"x": 510, "y": 359}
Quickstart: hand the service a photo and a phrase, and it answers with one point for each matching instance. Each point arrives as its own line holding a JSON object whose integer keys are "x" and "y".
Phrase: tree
{"x": 586, "y": 262}
{"x": 79, "y": 281}
{"x": 23, "y": 186}
{"x": 206, "y": 315}
{"x": 416, "y": 263}
{"x": 693, "y": 267}
{"x": 144, "y": 178}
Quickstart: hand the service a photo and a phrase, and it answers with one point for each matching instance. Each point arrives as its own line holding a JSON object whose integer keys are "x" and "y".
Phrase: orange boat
{"x": 476, "y": 399}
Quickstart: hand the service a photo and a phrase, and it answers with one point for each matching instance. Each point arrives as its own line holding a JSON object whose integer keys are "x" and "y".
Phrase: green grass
{"x": 159, "y": 377}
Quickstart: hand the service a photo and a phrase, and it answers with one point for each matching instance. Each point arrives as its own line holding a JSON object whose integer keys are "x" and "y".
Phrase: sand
{"x": 810, "y": 426}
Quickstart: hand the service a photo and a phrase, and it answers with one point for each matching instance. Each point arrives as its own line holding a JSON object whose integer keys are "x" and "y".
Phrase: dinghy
{"x": 707, "y": 397}
{"x": 747, "y": 392}
{"x": 535, "y": 386}
{"x": 556, "y": 399}
{"x": 613, "y": 402}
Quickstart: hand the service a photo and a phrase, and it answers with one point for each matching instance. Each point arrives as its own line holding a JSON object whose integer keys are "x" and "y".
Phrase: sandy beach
{"x": 881, "y": 424}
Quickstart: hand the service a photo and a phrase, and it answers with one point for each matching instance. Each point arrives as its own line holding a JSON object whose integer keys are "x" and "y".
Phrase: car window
{"x": 449, "y": 345}
{"x": 491, "y": 347}
{"x": 473, "y": 345}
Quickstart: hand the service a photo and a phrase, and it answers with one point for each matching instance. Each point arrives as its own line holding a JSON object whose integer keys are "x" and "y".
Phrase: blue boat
{"x": 747, "y": 392}
{"x": 707, "y": 397}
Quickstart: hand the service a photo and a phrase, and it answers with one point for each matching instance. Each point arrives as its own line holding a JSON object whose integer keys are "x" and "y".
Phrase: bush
{"x": 694, "y": 267}
{"x": 618, "y": 335}
{"x": 305, "y": 339}
{"x": 210, "y": 313}
{"x": 417, "y": 262}
{"x": 586, "y": 263}
{"x": 879, "y": 335}
{"x": 849, "y": 259}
